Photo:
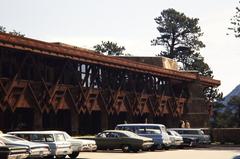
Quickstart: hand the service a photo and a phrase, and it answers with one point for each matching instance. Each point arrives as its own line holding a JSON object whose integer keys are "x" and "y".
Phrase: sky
{"x": 130, "y": 23}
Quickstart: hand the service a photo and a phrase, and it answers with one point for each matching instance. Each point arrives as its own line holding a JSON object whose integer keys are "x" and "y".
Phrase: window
{"x": 59, "y": 137}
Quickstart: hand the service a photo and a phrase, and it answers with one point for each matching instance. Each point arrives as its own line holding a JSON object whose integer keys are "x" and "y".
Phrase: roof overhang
{"x": 89, "y": 56}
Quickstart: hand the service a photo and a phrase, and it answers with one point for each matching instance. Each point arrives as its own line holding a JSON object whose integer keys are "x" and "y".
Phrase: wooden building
{"x": 54, "y": 86}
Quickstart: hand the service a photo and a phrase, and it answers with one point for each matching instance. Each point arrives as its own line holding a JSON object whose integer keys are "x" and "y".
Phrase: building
{"x": 56, "y": 86}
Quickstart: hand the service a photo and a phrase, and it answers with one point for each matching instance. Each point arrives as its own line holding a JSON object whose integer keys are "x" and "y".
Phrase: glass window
{"x": 49, "y": 138}
{"x": 37, "y": 138}
{"x": 59, "y": 137}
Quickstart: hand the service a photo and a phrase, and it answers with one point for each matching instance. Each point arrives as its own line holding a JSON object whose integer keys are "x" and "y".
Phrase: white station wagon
{"x": 55, "y": 139}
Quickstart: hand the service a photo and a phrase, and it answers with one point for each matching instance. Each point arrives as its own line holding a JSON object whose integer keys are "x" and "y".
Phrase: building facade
{"x": 57, "y": 86}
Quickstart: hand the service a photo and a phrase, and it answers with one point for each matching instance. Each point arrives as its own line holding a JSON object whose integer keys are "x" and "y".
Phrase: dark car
{"x": 191, "y": 133}
{"x": 190, "y": 141}
{"x": 121, "y": 139}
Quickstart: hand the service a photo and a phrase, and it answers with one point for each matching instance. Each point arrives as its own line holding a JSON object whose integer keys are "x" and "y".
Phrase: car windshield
{"x": 67, "y": 136}
{"x": 131, "y": 134}
{"x": 175, "y": 133}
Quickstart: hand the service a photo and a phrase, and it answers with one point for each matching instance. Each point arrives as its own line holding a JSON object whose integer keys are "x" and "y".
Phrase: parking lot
{"x": 197, "y": 153}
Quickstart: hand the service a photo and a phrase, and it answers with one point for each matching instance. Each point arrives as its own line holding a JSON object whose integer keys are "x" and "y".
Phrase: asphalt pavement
{"x": 195, "y": 153}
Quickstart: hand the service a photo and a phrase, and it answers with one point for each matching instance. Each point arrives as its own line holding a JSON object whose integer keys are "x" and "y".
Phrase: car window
{"x": 113, "y": 135}
{"x": 37, "y": 138}
{"x": 49, "y": 138}
{"x": 175, "y": 133}
{"x": 179, "y": 131}
{"x": 68, "y": 137}
{"x": 201, "y": 132}
{"x": 122, "y": 135}
{"x": 59, "y": 137}
{"x": 101, "y": 134}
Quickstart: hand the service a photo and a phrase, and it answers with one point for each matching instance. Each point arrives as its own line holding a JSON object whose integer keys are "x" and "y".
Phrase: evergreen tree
{"x": 180, "y": 35}
{"x": 14, "y": 32}
{"x": 109, "y": 48}
{"x": 235, "y": 22}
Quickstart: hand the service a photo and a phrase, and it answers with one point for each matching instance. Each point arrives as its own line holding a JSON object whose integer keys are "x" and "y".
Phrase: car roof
{"x": 117, "y": 131}
{"x": 37, "y": 132}
{"x": 184, "y": 129}
{"x": 140, "y": 124}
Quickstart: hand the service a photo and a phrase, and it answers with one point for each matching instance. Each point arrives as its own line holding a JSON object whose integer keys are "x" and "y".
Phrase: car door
{"x": 114, "y": 140}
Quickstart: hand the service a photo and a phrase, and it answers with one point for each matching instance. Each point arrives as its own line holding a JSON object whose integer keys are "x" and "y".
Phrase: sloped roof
{"x": 85, "y": 55}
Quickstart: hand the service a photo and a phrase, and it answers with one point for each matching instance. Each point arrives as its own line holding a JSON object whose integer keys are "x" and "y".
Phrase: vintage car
{"x": 176, "y": 138}
{"x": 55, "y": 139}
{"x": 121, "y": 139}
{"x": 191, "y": 133}
{"x": 80, "y": 145}
{"x": 36, "y": 150}
{"x": 157, "y": 132}
{"x": 13, "y": 152}
{"x": 88, "y": 145}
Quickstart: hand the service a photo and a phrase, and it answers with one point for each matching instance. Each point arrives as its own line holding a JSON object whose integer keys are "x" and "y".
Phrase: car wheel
{"x": 49, "y": 157}
{"x": 125, "y": 148}
{"x": 74, "y": 155}
{"x": 166, "y": 147}
{"x": 153, "y": 148}
{"x": 135, "y": 150}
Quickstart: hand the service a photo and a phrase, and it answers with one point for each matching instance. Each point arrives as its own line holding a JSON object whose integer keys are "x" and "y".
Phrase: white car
{"x": 176, "y": 138}
{"x": 88, "y": 145}
{"x": 58, "y": 144}
{"x": 36, "y": 150}
{"x": 13, "y": 152}
{"x": 80, "y": 145}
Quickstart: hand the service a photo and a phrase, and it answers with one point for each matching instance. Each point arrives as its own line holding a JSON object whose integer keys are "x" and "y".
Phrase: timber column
{"x": 74, "y": 122}
{"x": 38, "y": 120}
{"x": 104, "y": 120}
{"x": 196, "y": 109}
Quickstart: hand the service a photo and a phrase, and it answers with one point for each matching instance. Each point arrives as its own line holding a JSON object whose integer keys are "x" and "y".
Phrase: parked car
{"x": 36, "y": 150}
{"x": 88, "y": 145}
{"x": 13, "y": 152}
{"x": 55, "y": 139}
{"x": 79, "y": 145}
{"x": 194, "y": 133}
{"x": 157, "y": 132}
{"x": 121, "y": 139}
{"x": 176, "y": 138}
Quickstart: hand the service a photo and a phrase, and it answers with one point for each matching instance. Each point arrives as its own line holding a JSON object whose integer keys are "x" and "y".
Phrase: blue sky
{"x": 130, "y": 23}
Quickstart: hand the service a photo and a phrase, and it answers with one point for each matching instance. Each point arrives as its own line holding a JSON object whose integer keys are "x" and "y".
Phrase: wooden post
{"x": 38, "y": 120}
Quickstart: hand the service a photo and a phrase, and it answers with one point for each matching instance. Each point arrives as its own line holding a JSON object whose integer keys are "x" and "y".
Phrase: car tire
{"x": 153, "y": 148}
{"x": 126, "y": 148}
{"x": 166, "y": 147}
{"x": 74, "y": 155}
{"x": 135, "y": 150}
{"x": 49, "y": 157}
